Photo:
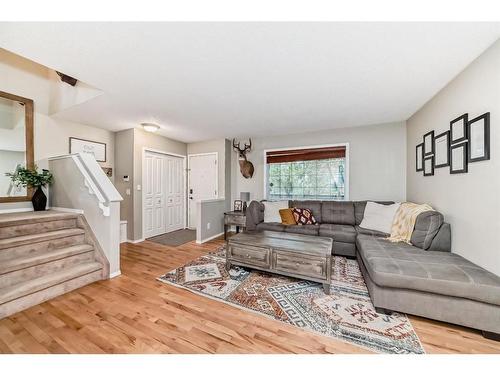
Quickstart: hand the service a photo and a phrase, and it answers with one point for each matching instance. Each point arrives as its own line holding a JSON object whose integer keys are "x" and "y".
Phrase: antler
{"x": 241, "y": 151}
{"x": 236, "y": 145}
{"x": 248, "y": 147}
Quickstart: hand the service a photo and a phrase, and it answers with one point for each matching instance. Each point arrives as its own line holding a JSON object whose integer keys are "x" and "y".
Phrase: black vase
{"x": 39, "y": 200}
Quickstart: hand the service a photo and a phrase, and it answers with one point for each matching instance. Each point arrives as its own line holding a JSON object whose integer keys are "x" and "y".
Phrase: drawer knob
{"x": 247, "y": 255}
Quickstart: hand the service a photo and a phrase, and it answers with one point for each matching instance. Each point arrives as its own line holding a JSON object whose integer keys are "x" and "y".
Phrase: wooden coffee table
{"x": 288, "y": 254}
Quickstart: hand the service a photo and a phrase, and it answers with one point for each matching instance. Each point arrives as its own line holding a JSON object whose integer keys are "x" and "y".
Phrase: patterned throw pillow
{"x": 303, "y": 216}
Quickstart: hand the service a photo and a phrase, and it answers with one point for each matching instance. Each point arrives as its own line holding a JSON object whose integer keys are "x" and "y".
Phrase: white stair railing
{"x": 94, "y": 178}
{"x": 81, "y": 185}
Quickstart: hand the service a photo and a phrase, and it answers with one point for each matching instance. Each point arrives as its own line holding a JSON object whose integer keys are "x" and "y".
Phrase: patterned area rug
{"x": 346, "y": 314}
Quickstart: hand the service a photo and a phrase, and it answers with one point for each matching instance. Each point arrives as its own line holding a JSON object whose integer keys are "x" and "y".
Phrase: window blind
{"x": 286, "y": 156}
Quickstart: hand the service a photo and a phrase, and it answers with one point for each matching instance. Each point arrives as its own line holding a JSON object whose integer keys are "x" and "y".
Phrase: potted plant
{"x": 32, "y": 178}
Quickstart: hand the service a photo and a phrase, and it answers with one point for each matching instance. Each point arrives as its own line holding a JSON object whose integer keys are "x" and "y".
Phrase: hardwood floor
{"x": 134, "y": 313}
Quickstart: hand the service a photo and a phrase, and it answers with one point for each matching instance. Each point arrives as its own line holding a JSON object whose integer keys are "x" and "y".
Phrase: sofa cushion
{"x": 314, "y": 206}
{"x": 337, "y": 213}
{"x": 379, "y": 217}
{"x": 402, "y": 266}
{"x": 303, "y": 216}
{"x": 311, "y": 230}
{"x": 359, "y": 209}
{"x": 276, "y": 227}
{"x": 287, "y": 216}
{"x": 272, "y": 211}
{"x": 370, "y": 232}
{"x": 339, "y": 232}
{"x": 426, "y": 228}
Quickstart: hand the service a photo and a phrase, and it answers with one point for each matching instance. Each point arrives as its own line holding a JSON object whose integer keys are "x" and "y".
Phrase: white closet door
{"x": 175, "y": 193}
{"x": 154, "y": 191}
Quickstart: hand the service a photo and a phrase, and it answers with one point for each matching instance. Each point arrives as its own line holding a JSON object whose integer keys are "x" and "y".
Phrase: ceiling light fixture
{"x": 152, "y": 128}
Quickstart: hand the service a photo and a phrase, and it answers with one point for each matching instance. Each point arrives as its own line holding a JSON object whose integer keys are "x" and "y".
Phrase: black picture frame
{"x": 419, "y": 158}
{"x": 431, "y": 151}
{"x": 430, "y": 172}
{"x": 71, "y": 145}
{"x": 459, "y": 121}
{"x": 464, "y": 148}
{"x": 437, "y": 138}
{"x": 238, "y": 205}
{"x": 485, "y": 117}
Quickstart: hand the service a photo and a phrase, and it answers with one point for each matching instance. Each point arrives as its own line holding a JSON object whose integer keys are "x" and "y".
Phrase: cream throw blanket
{"x": 404, "y": 221}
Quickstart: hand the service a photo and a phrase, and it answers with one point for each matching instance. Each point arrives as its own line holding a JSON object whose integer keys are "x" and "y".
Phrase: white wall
{"x": 25, "y": 78}
{"x": 471, "y": 201}
{"x": 377, "y": 155}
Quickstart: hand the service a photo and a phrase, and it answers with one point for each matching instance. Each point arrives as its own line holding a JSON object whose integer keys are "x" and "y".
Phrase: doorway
{"x": 202, "y": 181}
{"x": 163, "y": 193}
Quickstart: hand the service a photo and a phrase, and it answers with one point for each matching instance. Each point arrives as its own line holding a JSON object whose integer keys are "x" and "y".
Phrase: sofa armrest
{"x": 254, "y": 215}
{"x": 442, "y": 240}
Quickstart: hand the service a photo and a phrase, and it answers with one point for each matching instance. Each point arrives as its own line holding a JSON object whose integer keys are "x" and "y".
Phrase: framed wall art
{"x": 458, "y": 129}
{"x": 429, "y": 166}
{"x": 429, "y": 143}
{"x": 478, "y": 133}
{"x": 238, "y": 205}
{"x": 442, "y": 150}
{"x": 458, "y": 158}
{"x": 419, "y": 157}
{"x": 98, "y": 149}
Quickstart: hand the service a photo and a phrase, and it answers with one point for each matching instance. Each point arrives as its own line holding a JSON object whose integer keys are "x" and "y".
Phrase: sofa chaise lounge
{"x": 424, "y": 278}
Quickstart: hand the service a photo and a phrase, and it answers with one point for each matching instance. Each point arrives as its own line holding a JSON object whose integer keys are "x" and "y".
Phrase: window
{"x": 318, "y": 173}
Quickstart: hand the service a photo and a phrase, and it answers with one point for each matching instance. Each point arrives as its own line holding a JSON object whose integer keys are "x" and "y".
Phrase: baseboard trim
{"x": 136, "y": 241}
{"x": 115, "y": 274}
{"x": 14, "y": 210}
{"x": 64, "y": 209}
{"x": 209, "y": 238}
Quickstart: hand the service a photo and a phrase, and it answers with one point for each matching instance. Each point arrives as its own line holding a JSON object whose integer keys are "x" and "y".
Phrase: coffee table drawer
{"x": 249, "y": 255}
{"x": 315, "y": 267}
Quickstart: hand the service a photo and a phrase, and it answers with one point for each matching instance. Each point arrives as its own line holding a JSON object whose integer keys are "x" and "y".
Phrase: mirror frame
{"x": 30, "y": 155}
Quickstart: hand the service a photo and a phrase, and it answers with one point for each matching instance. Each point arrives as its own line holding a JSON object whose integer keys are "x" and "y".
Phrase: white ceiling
{"x": 207, "y": 80}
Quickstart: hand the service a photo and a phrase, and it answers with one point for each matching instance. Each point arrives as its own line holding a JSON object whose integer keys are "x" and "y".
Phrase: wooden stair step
{"x": 39, "y": 237}
{"x": 38, "y": 284}
{"x": 19, "y": 263}
{"x": 7, "y": 220}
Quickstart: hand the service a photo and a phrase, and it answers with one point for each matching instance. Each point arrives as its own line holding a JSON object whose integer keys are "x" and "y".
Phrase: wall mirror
{"x": 16, "y": 144}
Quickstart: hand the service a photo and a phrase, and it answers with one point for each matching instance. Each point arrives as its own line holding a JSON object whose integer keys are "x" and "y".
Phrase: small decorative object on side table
{"x": 245, "y": 197}
{"x": 237, "y": 218}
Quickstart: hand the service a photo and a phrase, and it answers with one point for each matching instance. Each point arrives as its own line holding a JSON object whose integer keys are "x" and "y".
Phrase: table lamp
{"x": 245, "y": 197}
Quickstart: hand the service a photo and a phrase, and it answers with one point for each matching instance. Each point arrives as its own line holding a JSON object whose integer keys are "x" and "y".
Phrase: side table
{"x": 237, "y": 218}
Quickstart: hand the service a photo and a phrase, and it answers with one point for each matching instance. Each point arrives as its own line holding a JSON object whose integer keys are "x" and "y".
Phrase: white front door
{"x": 154, "y": 195}
{"x": 202, "y": 181}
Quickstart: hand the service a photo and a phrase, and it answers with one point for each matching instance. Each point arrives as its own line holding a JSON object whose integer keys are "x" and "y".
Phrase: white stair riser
{"x": 40, "y": 247}
{"x": 12, "y": 278}
{"x": 35, "y": 228}
{"x": 25, "y": 302}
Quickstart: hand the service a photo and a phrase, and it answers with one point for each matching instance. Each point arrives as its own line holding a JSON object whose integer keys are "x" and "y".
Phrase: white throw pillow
{"x": 272, "y": 211}
{"x": 379, "y": 216}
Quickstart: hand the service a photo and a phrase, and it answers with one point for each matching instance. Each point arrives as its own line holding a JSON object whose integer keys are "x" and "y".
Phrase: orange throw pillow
{"x": 287, "y": 217}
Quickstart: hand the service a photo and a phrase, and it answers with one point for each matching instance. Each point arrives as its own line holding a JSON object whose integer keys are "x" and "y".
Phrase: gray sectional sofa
{"x": 424, "y": 278}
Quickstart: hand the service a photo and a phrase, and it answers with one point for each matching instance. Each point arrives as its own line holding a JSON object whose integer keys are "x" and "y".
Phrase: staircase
{"x": 43, "y": 255}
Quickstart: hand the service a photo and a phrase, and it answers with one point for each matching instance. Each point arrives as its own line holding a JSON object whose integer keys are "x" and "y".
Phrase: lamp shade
{"x": 245, "y": 196}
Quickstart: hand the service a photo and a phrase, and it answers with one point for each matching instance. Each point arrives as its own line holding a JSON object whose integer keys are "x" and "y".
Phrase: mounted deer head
{"x": 246, "y": 167}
